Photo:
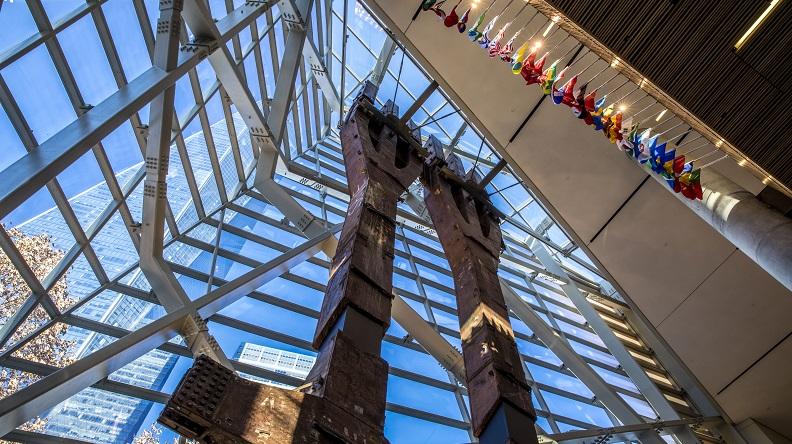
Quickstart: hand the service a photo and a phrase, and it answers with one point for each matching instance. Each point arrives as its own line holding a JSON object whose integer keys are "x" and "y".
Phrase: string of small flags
{"x": 627, "y": 135}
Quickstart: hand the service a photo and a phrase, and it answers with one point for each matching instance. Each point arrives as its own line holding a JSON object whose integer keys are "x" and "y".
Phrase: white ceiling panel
{"x": 659, "y": 250}
{"x": 731, "y": 319}
{"x": 764, "y": 392}
{"x": 580, "y": 173}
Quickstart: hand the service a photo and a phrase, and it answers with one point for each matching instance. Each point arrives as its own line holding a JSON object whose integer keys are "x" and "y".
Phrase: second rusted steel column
{"x": 500, "y": 399}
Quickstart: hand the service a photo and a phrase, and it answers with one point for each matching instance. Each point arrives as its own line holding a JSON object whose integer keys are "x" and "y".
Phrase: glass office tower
{"x": 292, "y": 364}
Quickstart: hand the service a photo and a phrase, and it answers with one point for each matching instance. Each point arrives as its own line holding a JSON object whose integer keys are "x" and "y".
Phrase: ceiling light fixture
{"x": 773, "y": 4}
{"x": 547, "y": 31}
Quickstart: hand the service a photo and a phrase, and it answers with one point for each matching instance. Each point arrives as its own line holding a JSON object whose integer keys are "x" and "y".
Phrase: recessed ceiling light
{"x": 773, "y": 4}
{"x": 547, "y": 31}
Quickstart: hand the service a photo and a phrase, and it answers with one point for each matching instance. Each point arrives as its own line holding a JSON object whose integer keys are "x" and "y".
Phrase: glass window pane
{"x": 16, "y": 24}
{"x": 35, "y": 85}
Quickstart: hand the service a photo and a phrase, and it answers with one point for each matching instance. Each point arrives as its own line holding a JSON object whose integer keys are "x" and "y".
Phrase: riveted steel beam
{"x": 265, "y": 132}
{"x": 155, "y": 188}
{"x": 25, "y": 176}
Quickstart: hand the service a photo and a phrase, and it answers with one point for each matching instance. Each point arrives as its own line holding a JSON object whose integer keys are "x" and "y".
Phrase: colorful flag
{"x": 518, "y": 58}
{"x": 437, "y": 10}
{"x": 675, "y": 166}
{"x": 658, "y": 156}
{"x": 474, "y": 33}
{"x": 615, "y": 128}
{"x": 463, "y": 21}
{"x": 427, "y": 4}
{"x": 589, "y": 101}
{"x": 494, "y": 46}
{"x": 506, "y": 51}
{"x": 532, "y": 73}
{"x": 605, "y": 120}
{"x": 484, "y": 40}
{"x": 626, "y": 127}
{"x": 539, "y": 65}
{"x": 689, "y": 184}
{"x": 634, "y": 128}
{"x": 452, "y": 18}
{"x": 596, "y": 115}
{"x": 569, "y": 92}
{"x": 558, "y": 94}
{"x": 668, "y": 160}
{"x": 579, "y": 109}
{"x": 644, "y": 146}
{"x": 548, "y": 78}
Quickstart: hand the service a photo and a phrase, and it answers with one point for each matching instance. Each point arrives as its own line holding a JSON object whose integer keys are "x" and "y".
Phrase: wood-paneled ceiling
{"x": 686, "y": 47}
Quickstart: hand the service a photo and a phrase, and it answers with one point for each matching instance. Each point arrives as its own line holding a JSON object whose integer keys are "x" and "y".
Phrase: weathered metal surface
{"x": 380, "y": 166}
{"x": 215, "y": 406}
{"x": 352, "y": 380}
{"x": 500, "y": 399}
{"x": 344, "y": 400}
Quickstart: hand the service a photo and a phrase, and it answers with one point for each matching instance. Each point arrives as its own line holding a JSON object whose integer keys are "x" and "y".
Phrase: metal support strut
{"x": 344, "y": 398}
{"x": 468, "y": 229}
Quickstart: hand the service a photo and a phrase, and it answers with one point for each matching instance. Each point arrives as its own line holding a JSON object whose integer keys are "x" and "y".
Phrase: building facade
{"x": 285, "y": 362}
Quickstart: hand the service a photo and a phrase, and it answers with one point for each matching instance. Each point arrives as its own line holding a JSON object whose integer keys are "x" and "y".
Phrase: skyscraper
{"x": 281, "y": 361}
{"x": 100, "y": 416}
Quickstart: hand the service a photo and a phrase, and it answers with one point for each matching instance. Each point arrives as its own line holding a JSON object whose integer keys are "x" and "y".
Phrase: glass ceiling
{"x": 60, "y": 59}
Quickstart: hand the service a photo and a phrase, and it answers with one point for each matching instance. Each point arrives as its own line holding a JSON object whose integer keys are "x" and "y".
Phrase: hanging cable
{"x": 398, "y": 78}
{"x": 439, "y": 118}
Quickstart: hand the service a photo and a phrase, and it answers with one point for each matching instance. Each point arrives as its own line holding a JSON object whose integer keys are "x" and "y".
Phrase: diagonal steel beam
{"x": 162, "y": 279}
{"x": 434, "y": 344}
{"x": 571, "y": 359}
{"x": 385, "y": 55}
{"x": 60, "y": 385}
{"x": 295, "y": 18}
{"x": 416, "y": 105}
{"x": 314, "y": 59}
{"x": 66, "y": 382}
{"x": 199, "y": 20}
{"x": 25, "y": 176}
{"x": 639, "y": 377}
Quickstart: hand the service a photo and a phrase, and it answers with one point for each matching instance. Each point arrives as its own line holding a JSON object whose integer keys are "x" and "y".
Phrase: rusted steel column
{"x": 500, "y": 399}
{"x": 357, "y": 305}
{"x": 344, "y": 399}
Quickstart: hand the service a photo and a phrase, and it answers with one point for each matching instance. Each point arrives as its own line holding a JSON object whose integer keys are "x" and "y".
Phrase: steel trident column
{"x": 468, "y": 229}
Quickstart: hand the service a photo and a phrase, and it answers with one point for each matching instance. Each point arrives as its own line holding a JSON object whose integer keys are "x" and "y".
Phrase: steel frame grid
{"x": 119, "y": 201}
